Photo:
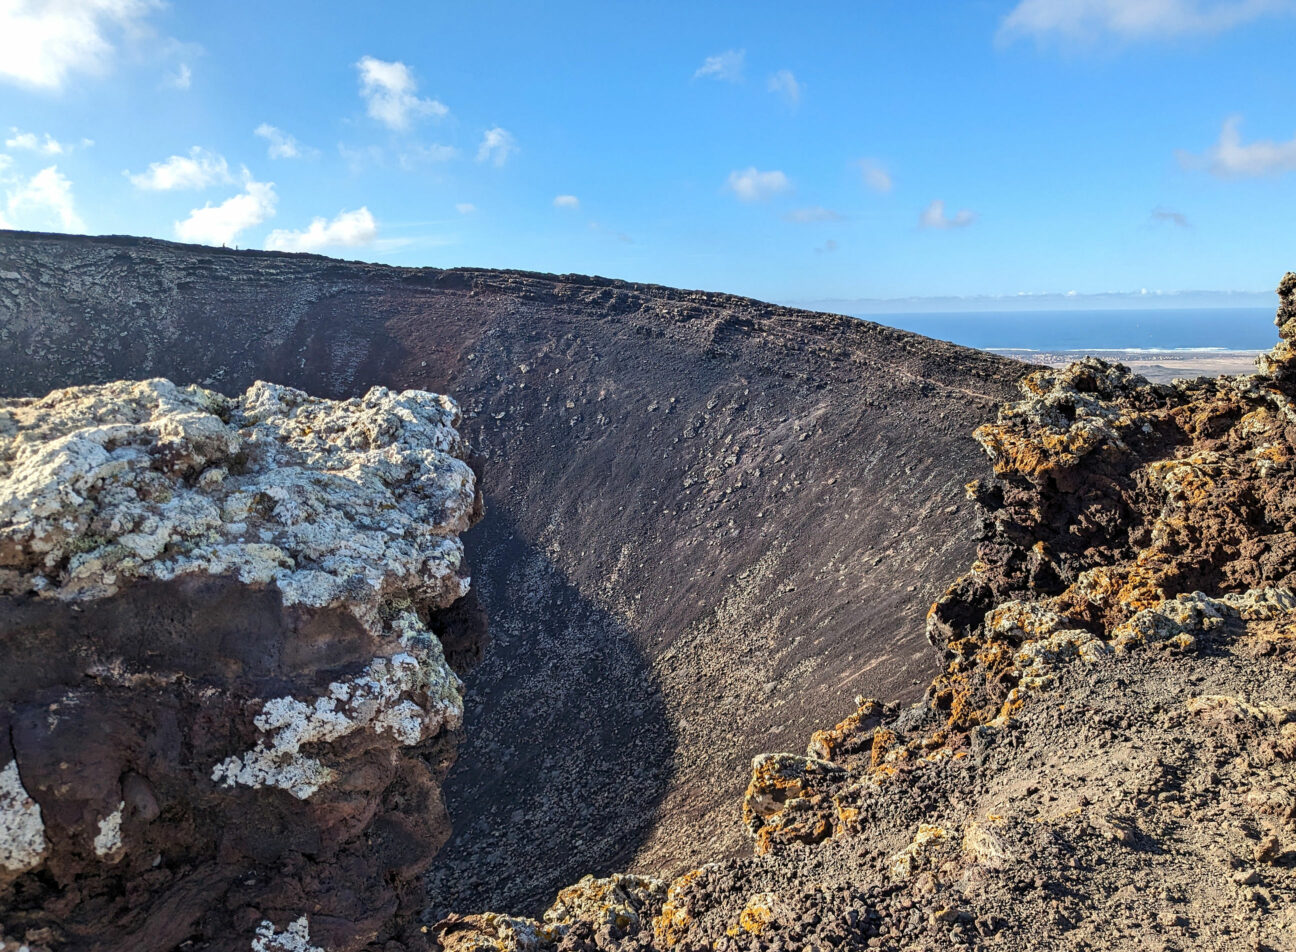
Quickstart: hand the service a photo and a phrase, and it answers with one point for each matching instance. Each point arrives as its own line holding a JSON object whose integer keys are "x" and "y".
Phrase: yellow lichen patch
{"x": 883, "y": 739}
{"x": 618, "y": 901}
{"x": 849, "y": 734}
{"x": 786, "y": 800}
{"x": 907, "y": 861}
{"x": 492, "y": 932}
{"x": 846, "y": 816}
{"x": 758, "y": 913}
{"x": 677, "y": 914}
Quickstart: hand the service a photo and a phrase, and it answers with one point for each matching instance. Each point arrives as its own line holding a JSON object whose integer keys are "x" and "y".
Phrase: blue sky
{"x": 794, "y": 152}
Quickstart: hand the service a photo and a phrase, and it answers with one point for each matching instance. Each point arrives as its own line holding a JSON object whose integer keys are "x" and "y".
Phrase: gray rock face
{"x": 221, "y": 682}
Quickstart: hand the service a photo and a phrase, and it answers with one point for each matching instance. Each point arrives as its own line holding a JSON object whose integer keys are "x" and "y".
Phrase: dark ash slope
{"x": 710, "y": 522}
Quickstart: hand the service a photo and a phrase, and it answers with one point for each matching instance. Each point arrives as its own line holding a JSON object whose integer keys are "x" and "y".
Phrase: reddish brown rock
{"x": 224, "y": 724}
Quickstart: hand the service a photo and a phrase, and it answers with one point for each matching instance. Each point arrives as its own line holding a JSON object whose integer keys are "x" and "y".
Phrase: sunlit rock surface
{"x": 225, "y": 708}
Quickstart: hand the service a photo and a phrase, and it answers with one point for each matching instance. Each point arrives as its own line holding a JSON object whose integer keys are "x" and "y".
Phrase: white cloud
{"x": 391, "y": 94}
{"x": 727, "y": 66}
{"x": 813, "y": 214}
{"x": 417, "y": 155}
{"x": 32, "y": 143}
{"x": 566, "y": 201}
{"x": 43, "y": 202}
{"x": 182, "y": 78}
{"x": 282, "y": 145}
{"x": 1230, "y": 158}
{"x": 43, "y": 42}
{"x": 875, "y": 175}
{"x": 348, "y": 230}
{"x": 199, "y": 169}
{"x": 465, "y": 208}
{"x": 934, "y": 216}
{"x": 221, "y": 224}
{"x": 496, "y": 146}
{"x": 753, "y": 186}
{"x": 1089, "y": 20}
{"x": 785, "y": 84}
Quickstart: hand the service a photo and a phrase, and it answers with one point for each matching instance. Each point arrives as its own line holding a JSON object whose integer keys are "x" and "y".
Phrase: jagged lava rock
{"x": 225, "y": 710}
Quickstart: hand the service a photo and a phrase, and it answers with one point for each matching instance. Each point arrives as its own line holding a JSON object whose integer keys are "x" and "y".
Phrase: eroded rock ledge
{"x": 1107, "y": 761}
{"x": 225, "y": 708}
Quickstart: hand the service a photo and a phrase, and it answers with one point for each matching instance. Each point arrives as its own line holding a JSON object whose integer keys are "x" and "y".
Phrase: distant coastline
{"x": 1130, "y": 331}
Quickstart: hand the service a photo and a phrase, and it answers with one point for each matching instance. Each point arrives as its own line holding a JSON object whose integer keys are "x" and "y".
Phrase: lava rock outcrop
{"x": 1107, "y": 760}
{"x": 708, "y": 518}
{"x": 225, "y": 710}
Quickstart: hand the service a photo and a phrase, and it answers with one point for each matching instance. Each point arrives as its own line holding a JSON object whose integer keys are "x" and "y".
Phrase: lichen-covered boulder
{"x": 225, "y": 707}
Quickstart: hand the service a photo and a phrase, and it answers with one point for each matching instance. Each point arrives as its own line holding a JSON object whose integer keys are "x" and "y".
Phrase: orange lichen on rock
{"x": 851, "y": 737}
{"x": 672, "y": 923}
{"x": 789, "y": 799}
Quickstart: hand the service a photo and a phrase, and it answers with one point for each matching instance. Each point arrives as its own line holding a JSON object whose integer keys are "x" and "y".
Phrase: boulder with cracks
{"x": 225, "y": 707}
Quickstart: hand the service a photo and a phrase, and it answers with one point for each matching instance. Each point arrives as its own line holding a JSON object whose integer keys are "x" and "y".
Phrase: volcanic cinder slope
{"x": 1107, "y": 760}
{"x": 710, "y": 521}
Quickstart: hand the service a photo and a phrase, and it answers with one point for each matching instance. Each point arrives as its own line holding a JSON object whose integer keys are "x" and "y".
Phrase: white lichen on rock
{"x": 331, "y": 501}
{"x": 108, "y": 841}
{"x": 295, "y": 938}
{"x": 338, "y": 504}
{"x": 410, "y": 695}
{"x": 22, "y": 828}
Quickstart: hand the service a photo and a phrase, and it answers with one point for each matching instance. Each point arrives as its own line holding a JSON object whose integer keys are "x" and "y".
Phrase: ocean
{"x": 1203, "y": 329}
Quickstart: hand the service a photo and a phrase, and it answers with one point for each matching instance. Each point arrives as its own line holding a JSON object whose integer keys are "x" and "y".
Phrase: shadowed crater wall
{"x": 739, "y": 511}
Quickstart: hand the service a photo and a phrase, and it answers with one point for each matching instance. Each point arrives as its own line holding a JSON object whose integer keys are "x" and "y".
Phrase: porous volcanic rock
{"x": 709, "y": 518}
{"x": 225, "y": 711}
{"x": 1107, "y": 760}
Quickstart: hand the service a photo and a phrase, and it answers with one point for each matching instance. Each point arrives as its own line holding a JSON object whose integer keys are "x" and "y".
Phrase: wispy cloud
{"x": 1170, "y": 217}
{"x": 199, "y": 169}
{"x": 391, "y": 94}
{"x": 281, "y": 145}
{"x": 875, "y": 175}
{"x": 1092, "y": 20}
{"x": 496, "y": 146}
{"x": 43, "y": 202}
{"x": 221, "y": 224}
{"x": 566, "y": 201}
{"x": 42, "y": 44}
{"x": 726, "y": 66}
{"x": 465, "y": 208}
{"x": 45, "y": 144}
{"x": 785, "y": 84}
{"x": 181, "y": 79}
{"x": 812, "y": 214}
{"x": 828, "y": 247}
{"x": 348, "y": 230}
{"x": 1230, "y": 158}
{"x": 933, "y": 216}
{"x": 751, "y": 185}
{"x": 416, "y": 156}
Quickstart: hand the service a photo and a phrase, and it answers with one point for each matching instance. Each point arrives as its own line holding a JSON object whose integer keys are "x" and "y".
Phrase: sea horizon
{"x": 1183, "y": 330}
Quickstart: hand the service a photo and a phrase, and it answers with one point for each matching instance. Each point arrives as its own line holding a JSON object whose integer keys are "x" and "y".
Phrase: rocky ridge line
{"x": 225, "y": 702}
{"x": 1107, "y": 760}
